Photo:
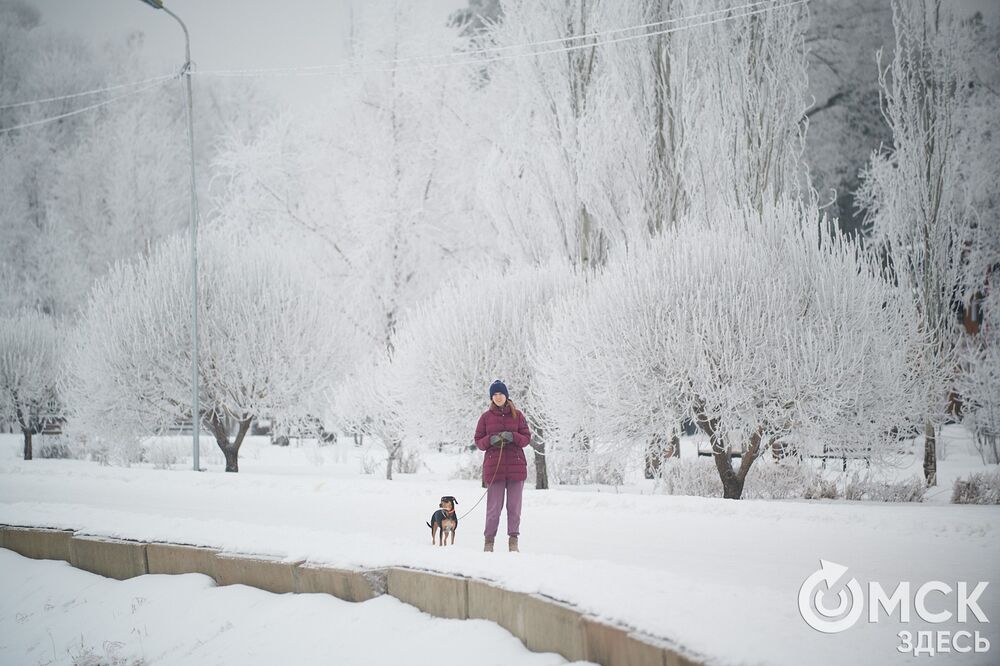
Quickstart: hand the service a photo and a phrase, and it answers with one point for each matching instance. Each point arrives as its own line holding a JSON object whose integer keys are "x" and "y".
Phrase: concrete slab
{"x": 609, "y": 645}
{"x": 541, "y": 623}
{"x": 489, "y": 602}
{"x": 168, "y": 558}
{"x": 679, "y": 659}
{"x": 551, "y": 626}
{"x": 266, "y": 573}
{"x": 108, "y": 557}
{"x": 38, "y": 543}
{"x": 438, "y": 594}
{"x": 346, "y": 584}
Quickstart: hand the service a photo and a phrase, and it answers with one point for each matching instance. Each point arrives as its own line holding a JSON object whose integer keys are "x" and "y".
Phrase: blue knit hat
{"x": 498, "y": 387}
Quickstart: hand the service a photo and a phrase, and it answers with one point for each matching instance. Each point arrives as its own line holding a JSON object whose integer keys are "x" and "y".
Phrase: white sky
{"x": 225, "y": 34}
{"x": 257, "y": 33}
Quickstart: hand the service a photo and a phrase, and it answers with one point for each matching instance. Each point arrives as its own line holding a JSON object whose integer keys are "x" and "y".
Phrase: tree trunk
{"x": 930, "y": 454}
{"x": 732, "y": 484}
{"x": 25, "y": 429}
{"x": 541, "y": 470}
{"x": 393, "y": 452}
{"x": 657, "y": 451}
{"x": 221, "y": 433}
{"x": 242, "y": 432}
{"x": 654, "y": 457}
{"x": 232, "y": 458}
{"x": 732, "y": 480}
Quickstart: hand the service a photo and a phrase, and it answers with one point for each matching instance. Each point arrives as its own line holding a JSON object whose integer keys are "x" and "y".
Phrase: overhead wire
{"x": 597, "y": 33}
{"x": 84, "y": 93}
{"x": 492, "y": 49}
{"x": 730, "y": 13}
{"x": 382, "y": 66}
{"x": 74, "y": 112}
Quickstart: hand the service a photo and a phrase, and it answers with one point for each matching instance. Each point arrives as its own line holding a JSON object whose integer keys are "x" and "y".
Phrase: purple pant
{"x": 494, "y": 503}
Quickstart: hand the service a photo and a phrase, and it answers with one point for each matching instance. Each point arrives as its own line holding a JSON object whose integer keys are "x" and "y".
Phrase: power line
{"x": 492, "y": 49}
{"x": 741, "y": 11}
{"x": 597, "y": 33}
{"x": 323, "y": 70}
{"x": 87, "y": 92}
{"x": 619, "y": 40}
{"x": 50, "y": 119}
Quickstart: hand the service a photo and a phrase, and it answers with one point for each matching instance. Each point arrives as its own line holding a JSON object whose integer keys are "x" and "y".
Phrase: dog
{"x": 444, "y": 521}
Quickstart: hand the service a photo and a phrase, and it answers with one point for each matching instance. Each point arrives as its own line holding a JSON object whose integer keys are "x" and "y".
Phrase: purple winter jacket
{"x": 512, "y": 464}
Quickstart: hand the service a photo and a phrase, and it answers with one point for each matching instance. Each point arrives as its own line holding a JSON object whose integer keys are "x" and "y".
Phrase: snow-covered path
{"x": 719, "y": 577}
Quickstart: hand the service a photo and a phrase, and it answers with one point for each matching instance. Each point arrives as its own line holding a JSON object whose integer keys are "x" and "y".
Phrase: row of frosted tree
{"x": 621, "y": 224}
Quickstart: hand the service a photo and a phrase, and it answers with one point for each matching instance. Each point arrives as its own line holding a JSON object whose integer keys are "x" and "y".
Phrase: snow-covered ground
{"x": 51, "y": 613}
{"x": 719, "y": 577}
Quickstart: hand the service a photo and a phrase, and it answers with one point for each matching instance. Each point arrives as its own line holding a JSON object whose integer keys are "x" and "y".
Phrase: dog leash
{"x": 495, "y": 470}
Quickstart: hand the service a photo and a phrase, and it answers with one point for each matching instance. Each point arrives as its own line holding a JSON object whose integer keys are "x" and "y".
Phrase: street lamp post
{"x": 195, "y": 411}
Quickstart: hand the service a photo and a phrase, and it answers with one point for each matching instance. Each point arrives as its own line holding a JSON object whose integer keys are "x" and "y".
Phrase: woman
{"x": 502, "y": 432}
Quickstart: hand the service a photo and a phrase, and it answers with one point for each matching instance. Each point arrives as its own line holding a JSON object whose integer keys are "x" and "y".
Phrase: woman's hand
{"x": 495, "y": 440}
{"x": 507, "y": 436}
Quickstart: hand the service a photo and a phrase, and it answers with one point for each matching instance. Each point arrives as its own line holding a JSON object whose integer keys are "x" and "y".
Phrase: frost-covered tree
{"x": 30, "y": 371}
{"x": 477, "y": 16}
{"x": 744, "y": 120}
{"x": 78, "y": 194}
{"x": 534, "y": 112}
{"x": 138, "y": 196}
{"x": 367, "y": 185}
{"x": 34, "y": 63}
{"x": 633, "y": 168}
{"x": 369, "y": 402}
{"x": 916, "y": 193}
{"x": 370, "y": 182}
{"x": 979, "y": 380}
{"x": 265, "y": 347}
{"x": 756, "y": 334}
{"x": 472, "y": 332}
{"x": 845, "y": 119}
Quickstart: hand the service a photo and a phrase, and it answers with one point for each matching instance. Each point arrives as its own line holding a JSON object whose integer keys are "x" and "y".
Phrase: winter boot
{"x": 488, "y": 546}
{"x": 512, "y": 544}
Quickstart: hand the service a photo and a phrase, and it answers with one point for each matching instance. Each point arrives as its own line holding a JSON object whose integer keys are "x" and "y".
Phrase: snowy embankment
{"x": 188, "y": 620}
{"x": 719, "y": 577}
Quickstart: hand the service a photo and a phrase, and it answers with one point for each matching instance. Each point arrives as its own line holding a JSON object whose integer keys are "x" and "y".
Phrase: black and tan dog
{"x": 444, "y": 520}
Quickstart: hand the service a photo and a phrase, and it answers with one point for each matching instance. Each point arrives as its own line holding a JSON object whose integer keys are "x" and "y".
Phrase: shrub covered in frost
{"x": 978, "y": 488}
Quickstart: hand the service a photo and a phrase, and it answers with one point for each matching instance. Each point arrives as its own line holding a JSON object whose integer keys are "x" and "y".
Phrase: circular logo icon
{"x": 828, "y": 603}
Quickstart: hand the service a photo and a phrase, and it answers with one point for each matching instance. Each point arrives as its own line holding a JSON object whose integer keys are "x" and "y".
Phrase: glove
{"x": 507, "y": 436}
{"x": 495, "y": 440}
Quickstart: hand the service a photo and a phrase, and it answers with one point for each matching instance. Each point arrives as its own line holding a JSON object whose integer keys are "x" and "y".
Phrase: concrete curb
{"x": 551, "y": 626}
{"x": 489, "y": 602}
{"x": 341, "y": 583}
{"x": 108, "y": 557}
{"x": 267, "y": 573}
{"x": 168, "y": 558}
{"x": 606, "y": 644}
{"x": 38, "y": 543}
{"x": 437, "y": 594}
{"x": 541, "y": 623}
